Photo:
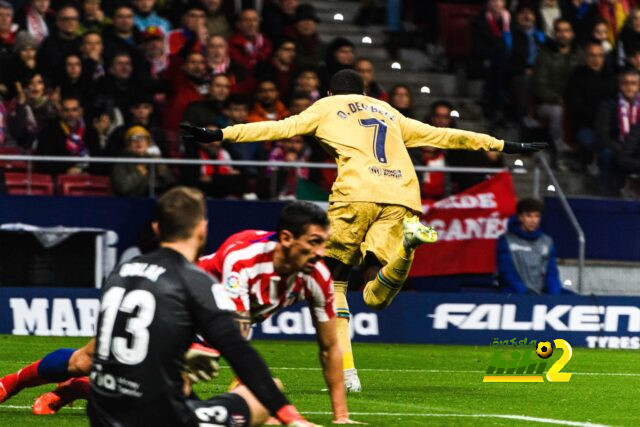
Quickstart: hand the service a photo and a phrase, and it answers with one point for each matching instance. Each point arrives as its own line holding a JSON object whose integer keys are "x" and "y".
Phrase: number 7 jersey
{"x": 369, "y": 140}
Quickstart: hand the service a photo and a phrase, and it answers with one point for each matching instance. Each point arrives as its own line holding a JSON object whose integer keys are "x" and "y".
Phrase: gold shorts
{"x": 361, "y": 227}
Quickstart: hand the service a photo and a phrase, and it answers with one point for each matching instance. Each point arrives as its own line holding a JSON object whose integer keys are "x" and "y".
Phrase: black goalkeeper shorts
{"x": 229, "y": 410}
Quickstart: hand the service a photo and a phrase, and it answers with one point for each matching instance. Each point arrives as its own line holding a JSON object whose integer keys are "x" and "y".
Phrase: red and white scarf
{"x": 36, "y": 25}
{"x": 627, "y": 114}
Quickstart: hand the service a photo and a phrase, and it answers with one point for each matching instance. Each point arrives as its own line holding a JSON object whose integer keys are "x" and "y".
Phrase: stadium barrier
{"x": 437, "y": 318}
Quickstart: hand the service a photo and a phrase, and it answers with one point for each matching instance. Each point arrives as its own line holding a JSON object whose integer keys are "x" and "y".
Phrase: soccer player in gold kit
{"x": 376, "y": 196}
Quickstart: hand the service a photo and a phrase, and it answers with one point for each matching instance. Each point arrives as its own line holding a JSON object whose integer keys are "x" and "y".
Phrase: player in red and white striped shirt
{"x": 264, "y": 271}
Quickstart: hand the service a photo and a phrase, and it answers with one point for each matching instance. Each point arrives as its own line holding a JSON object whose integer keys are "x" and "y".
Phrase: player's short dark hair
{"x": 346, "y": 82}
{"x": 178, "y": 212}
{"x": 297, "y": 216}
{"x": 529, "y": 204}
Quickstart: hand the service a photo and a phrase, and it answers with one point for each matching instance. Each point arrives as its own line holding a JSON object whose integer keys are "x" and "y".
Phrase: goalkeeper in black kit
{"x": 150, "y": 310}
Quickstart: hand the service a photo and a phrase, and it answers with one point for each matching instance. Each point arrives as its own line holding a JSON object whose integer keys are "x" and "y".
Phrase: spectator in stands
{"x": 133, "y": 180}
{"x": 582, "y": 14}
{"x": 292, "y": 149}
{"x": 372, "y": 88}
{"x": 555, "y": 63}
{"x": 432, "y": 184}
{"x": 402, "y": 100}
{"x": 237, "y": 112}
{"x": 614, "y": 120}
{"x": 340, "y": 54}
{"x": 628, "y": 164}
{"x": 154, "y": 52}
{"x": 91, "y": 51}
{"x": 549, "y": 11}
{"x": 115, "y": 88}
{"x": 298, "y": 102}
{"x": 219, "y": 62}
{"x": 37, "y": 19}
{"x": 96, "y": 138}
{"x": 7, "y": 33}
{"x": 278, "y": 15}
{"x": 123, "y": 36}
{"x": 146, "y": 16}
{"x": 248, "y": 46}
{"x": 588, "y": 86}
{"x": 630, "y": 34}
{"x": 73, "y": 78}
{"x": 7, "y": 40}
{"x": 193, "y": 32}
{"x": 280, "y": 67}
{"x": 93, "y": 17}
{"x": 186, "y": 84}
{"x": 21, "y": 65}
{"x": 216, "y": 21}
{"x": 215, "y": 181}
{"x": 307, "y": 80}
{"x": 614, "y": 13}
{"x": 61, "y": 42}
{"x": 141, "y": 113}
{"x": 526, "y": 256}
{"x": 599, "y": 33}
{"x": 441, "y": 117}
{"x": 268, "y": 105}
{"x": 310, "y": 50}
{"x": 490, "y": 41}
{"x": 527, "y": 40}
{"x": 31, "y": 110}
{"x": 201, "y": 113}
{"x": 64, "y": 136}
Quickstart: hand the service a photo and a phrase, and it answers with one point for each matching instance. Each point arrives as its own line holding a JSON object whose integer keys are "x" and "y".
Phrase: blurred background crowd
{"x": 115, "y": 78}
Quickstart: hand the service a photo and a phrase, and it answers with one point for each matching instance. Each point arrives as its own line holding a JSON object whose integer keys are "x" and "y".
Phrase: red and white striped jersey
{"x": 244, "y": 265}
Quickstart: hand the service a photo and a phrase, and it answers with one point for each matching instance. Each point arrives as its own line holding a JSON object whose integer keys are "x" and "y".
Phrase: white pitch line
{"x": 401, "y": 414}
{"x": 504, "y": 416}
{"x": 445, "y": 371}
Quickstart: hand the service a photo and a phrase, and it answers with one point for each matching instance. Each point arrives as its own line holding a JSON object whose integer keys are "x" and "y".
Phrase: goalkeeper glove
{"x": 197, "y": 134}
{"x": 511, "y": 147}
{"x": 201, "y": 362}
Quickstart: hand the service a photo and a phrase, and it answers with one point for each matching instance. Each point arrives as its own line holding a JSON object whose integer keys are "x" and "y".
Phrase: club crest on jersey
{"x": 232, "y": 285}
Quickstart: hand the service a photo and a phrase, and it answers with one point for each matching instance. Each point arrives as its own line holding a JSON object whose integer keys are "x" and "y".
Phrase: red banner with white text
{"x": 468, "y": 224}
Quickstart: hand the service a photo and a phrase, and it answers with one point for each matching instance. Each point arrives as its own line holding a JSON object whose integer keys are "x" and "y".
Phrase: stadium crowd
{"x": 115, "y": 78}
{"x": 108, "y": 78}
{"x": 567, "y": 70}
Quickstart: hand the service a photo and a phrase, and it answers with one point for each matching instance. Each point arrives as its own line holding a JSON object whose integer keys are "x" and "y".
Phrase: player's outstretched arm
{"x": 331, "y": 359}
{"x": 304, "y": 123}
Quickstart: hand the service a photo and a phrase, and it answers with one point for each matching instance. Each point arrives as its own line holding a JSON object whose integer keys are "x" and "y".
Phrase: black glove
{"x": 511, "y": 147}
{"x": 197, "y": 134}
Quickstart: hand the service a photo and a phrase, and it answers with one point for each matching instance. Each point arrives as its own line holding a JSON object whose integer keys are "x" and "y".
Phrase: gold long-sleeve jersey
{"x": 370, "y": 140}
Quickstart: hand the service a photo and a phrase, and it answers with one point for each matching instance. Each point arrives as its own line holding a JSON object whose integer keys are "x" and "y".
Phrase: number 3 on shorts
{"x": 379, "y": 137}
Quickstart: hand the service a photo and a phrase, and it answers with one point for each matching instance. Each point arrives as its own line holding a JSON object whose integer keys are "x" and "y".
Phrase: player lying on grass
{"x": 150, "y": 309}
{"x": 261, "y": 272}
{"x": 376, "y": 197}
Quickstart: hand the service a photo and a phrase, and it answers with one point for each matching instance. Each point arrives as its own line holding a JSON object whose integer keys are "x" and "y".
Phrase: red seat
{"x": 83, "y": 185}
{"x": 12, "y": 165}
{"x": 18, "y": 183}
{"x": 455, "y": 28}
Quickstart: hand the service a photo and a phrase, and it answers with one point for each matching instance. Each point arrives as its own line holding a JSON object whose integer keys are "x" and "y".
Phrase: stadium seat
{"x": 17, "y": 183}
{"x": 83, "y": 185}
{"x": 455, "y": 28}
{"x": 12, "y": 165}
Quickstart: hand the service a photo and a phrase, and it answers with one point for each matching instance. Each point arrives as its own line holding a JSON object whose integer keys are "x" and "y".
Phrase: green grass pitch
{"x": 408, "y": 385}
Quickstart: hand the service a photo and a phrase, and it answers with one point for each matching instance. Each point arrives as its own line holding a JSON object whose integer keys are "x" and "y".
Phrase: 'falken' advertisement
{"x": 440, "y": 318}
